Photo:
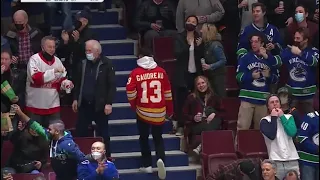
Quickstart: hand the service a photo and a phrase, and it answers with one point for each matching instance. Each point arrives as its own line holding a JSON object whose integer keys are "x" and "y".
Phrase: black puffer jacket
{"x": 27, "y": 148}
{"x": 148, "y": 13}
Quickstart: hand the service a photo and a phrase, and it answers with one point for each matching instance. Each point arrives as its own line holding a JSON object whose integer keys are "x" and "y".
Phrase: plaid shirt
{"x": 25, "y": 51}
{"x": 230, "y": 171}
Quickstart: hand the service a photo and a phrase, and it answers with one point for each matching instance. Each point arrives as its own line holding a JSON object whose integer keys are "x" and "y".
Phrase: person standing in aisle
{"x": 149, "y": 94}
{"x": 93, "y": 93}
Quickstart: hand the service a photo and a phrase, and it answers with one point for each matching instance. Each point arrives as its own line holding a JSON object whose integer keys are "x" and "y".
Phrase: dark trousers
{"x": 87, "y": 114}
{"x": 156, "y": 131}
{"x": 181, "y": 94}
{"x": 218, "y": 84}
{"x": 45, "y": 120}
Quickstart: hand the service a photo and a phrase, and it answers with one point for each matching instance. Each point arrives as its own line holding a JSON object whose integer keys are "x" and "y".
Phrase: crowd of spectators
{"x": 263, "y": 39}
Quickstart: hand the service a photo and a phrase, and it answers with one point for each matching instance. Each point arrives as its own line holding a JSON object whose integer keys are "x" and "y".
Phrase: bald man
{"x": 24, "y": 40}
{"x": 97, "y": 166}
{"x": 93, "y": 92}
{"x": 64, "y": 152}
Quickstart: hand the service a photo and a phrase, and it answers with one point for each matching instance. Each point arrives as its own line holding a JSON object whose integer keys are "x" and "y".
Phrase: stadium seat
{"x": 163, "y": 53}
{"x": 7, "y": 149}
{"x": 68, "y": 117}
{"x": 52, "y": 176}
{"x": 214, "y": 161}
{"x": 85, "y": 143}
{"x": 26, "y": 176}
{"x": 250, "y": 144}
{"x": 231, "y": 84}
{"x": 217, "y": 146}
{"x": 163, "y": 49}
{"x": 231, "y": 105}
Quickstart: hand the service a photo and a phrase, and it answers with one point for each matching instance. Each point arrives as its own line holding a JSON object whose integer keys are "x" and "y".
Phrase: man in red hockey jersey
{"x": 149, "y": 94}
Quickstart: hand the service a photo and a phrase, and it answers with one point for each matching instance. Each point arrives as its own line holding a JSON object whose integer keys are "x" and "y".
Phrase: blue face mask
{"x": 90, "y": 57}
{"x": 299, "y": 17}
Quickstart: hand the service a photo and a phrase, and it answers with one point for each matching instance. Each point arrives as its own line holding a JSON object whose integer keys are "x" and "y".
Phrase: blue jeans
{"x": 309, "y": 172}
{"x": 66, "y": 10}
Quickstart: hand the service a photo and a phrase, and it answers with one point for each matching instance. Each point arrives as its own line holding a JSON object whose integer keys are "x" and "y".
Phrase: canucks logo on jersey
{"x": 298, "y": 73}
{"x": 261, "y": 82}
{"x": 315, "y": 139}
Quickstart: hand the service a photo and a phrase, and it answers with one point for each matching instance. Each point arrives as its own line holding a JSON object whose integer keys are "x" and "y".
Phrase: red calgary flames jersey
{"x": 149, "y": 94}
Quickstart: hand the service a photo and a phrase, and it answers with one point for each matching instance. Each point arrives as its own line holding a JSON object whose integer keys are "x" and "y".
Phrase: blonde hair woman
{"x": 202, "y": 110}
{"x": 214, "y": 60}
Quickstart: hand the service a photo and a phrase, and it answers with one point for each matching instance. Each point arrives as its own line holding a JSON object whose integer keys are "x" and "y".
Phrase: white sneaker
{"x": 161, "y": 170}
{"x": 197, "y": 150}
{"x": 179, "y": 131}
{"x": 146, "y": 169}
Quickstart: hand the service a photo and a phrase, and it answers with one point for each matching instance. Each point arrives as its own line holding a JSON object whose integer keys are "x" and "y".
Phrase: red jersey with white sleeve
{"x": 43, "y": 85}
{"x": 149, "y": 92}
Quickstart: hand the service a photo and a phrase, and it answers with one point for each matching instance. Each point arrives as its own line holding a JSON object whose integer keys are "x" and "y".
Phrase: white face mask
{"x": 96, "y": 155}
{"x": 90, "y": 56}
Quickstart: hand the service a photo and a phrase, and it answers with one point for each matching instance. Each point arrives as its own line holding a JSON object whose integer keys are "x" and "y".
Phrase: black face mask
{"x": 77, "y": 24}
{"x": 190, "y": 27}
{"x": 47, "y": 56}
{"x": 19, "y": 27}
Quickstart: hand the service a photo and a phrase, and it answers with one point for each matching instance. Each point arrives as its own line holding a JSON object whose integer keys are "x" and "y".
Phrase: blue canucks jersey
{"x": 302, "y": 72}
{"x": 271, "y": 32}
{"x": 252, "y": 90}
{"x": 308, "y": 139}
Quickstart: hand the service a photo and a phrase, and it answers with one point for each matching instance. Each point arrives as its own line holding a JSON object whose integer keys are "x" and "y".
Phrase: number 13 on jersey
{"x": 153, "y": 89}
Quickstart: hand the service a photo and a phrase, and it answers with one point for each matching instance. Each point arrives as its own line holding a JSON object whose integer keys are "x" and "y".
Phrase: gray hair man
{"x": 94, "y": 91}
{"x": 269, "y": 170}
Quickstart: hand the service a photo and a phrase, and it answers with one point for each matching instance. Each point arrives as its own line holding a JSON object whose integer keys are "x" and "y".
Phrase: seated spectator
{"x": 188, "y": 52}
{"x": 24, "y": 39}
{"x": 73, "y": 41}
{"x": 273, "y": 42}
{"x": 269, "y": 170}
{"x": 292, "y": 175}
{"x": 285, "y": 100}
{"x": 16, "y": 79}
{"x": 202, "y": 110}
{"x": 6, "y": 173}
{"x": 280, "y": 14}
{"x": 46, "y": 76}
{"x": 248, "y": 169}
{"x": 308, "y": 146}
{"x": 215, "y": 59}
{"x": 301, "y": 21}
{"x": 278, "y": 130}
{"x": 155, "y": 18}
{"x": 207, "y": 11}
{"x": 5, "y": 44}
{"x": 30, "y": 150}
{"x": 256, "y": 72}
{"x": 313, "y": 9}
{"x": 65, "y": 154}
{"x": 97, "y": 166}
{"x": 301, "y": 61}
